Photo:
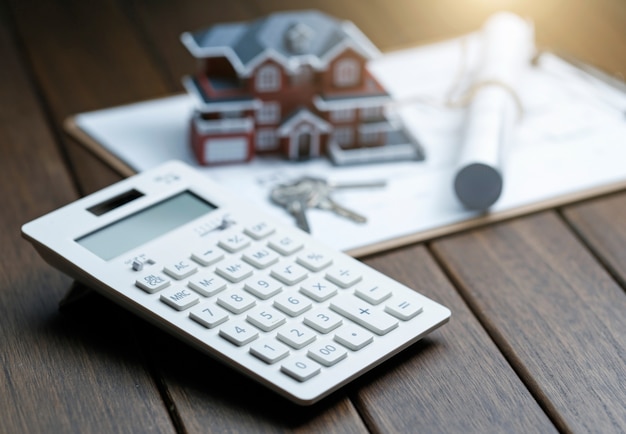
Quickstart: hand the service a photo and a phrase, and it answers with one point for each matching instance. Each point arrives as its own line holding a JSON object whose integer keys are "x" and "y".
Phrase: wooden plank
{"x": 219, "y": 387}
{"x": 81, "y": 64}
{"x": 58, "y": 374}
{"x": 456, "y": 380}
{"x": 553, "y": 310}
{"x": 161, "y": 26}
{"x": 600, "y": 223}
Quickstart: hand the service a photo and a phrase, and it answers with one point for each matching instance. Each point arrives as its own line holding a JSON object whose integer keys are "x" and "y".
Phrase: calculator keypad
{"x": 287, "y": 302}
{"x": 262, "y": 297}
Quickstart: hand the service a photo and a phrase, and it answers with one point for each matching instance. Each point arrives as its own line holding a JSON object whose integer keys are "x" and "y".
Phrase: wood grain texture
{"x": 536, "y": 341}
{"x": 58, "y": 374}
{"x": 161, "y": 27}
{"x": 601, "y": 224}
{"x": 190, "y": 395}
{"x": 85, "y": 56}
{"x": 553, "y": 311}
{"x": 455, "y": 380}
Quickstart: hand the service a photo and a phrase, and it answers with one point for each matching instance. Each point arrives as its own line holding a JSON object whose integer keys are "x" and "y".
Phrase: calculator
{"x": 261, "y": 296}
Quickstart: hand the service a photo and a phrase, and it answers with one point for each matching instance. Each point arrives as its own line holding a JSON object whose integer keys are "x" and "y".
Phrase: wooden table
{"x": 537, "y": 341}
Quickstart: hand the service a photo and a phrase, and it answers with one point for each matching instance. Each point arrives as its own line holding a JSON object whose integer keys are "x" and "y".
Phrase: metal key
{"x": 294, "y": 197}
{"x": 322, "y": 197}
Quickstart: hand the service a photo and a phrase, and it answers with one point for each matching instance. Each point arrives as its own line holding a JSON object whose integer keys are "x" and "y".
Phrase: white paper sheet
{"x": 572, "y": 138}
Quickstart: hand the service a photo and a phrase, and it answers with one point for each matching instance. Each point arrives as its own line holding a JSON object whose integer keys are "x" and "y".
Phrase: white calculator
{"x": 265, "y": 298}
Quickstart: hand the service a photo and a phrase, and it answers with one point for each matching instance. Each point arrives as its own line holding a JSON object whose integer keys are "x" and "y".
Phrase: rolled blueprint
{"x": 494, "y": 107}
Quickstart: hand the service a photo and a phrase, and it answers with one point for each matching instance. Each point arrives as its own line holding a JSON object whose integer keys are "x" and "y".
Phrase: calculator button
{"x": 314, "y": 261}
{"x": 290, "y": 273}
{"x": 236, "y": 301}
{"x": 207, "y": 284}
{"x": 153, "y": 282}
{"x": 404, "y": 308}
{"x": 269, "y": 350}
{"x": 373, "y": 294}
{"x": 327, "y": 353}
{"x": 267, "y": 319}
{"x": 239, "y": 333}
{"x": 263, "y": 287}
{"x": 207, "y": 256}
{"x": 353, "y": 337}
{"x": 234, "y": 242}
{"x": 296, "y": 336}
{"x": 323, "y": 320}
{"x": 234, "y": 270}
{"x": 318, "y": 289}
{"x": 180, "y": 298}
{"x": 181, "y": 269}
{"x": 364, "y": 314}
{"x": 259, "y": 230}
{"x": 209, "y": 315}
{"x": 292, "y": 304}
{"x": 285, "y": 245}
{"x": 343, "y": 275}
{"x": 300, "y": 368}
{"x": 260, "y": 257}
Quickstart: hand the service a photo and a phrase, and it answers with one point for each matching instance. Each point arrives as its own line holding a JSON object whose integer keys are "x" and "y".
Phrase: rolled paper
{"x": 494, "y": 106}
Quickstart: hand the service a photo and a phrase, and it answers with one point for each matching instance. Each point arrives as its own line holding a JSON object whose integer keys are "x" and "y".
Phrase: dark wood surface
{"x": 537, "y": 338}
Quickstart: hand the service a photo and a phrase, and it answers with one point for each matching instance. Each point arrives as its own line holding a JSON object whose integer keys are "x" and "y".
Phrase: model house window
{"x": 342, "y": 115}
{"x": 371, "y": 113}
{"x": 268, "y": 79}
{"x": 344, "y": 136}
{"x": 269, "y": 113}
{"x": 232, "y": 114}
{"x": 346, "y": 73}
{"x": 369, "y": 137}
{"x": 266, "y": 139}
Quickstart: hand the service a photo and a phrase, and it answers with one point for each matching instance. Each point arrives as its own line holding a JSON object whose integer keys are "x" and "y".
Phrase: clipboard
{"x": 419, "y": 203}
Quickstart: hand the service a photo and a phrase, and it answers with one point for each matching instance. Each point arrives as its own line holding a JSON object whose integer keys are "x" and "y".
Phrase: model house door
{"x": 305, "y": 142}
{"x": 304, "y": 145}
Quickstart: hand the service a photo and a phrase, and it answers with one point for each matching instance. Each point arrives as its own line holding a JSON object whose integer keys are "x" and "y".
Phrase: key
{"x": 321, "y": 198}
{"x": 300, "y": 368}
{"x": 269, "y": 350}
{"x": 327, "y": 203}
{"x": 364, "y": 314}
{"x": 209, "y": 315}
{"x": 180, "y": 298}
{"x": 327, "y": 353}
{"x": 239, "y": 333}
{"x": 353, "y": 337}
{"x": 294, "y": 197}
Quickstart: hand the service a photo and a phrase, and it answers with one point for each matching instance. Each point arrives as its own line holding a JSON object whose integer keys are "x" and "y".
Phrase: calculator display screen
{"x": 141, "y": 227}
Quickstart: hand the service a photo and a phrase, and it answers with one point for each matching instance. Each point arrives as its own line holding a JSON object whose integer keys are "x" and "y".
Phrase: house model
{"x": 291, "y": 83}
